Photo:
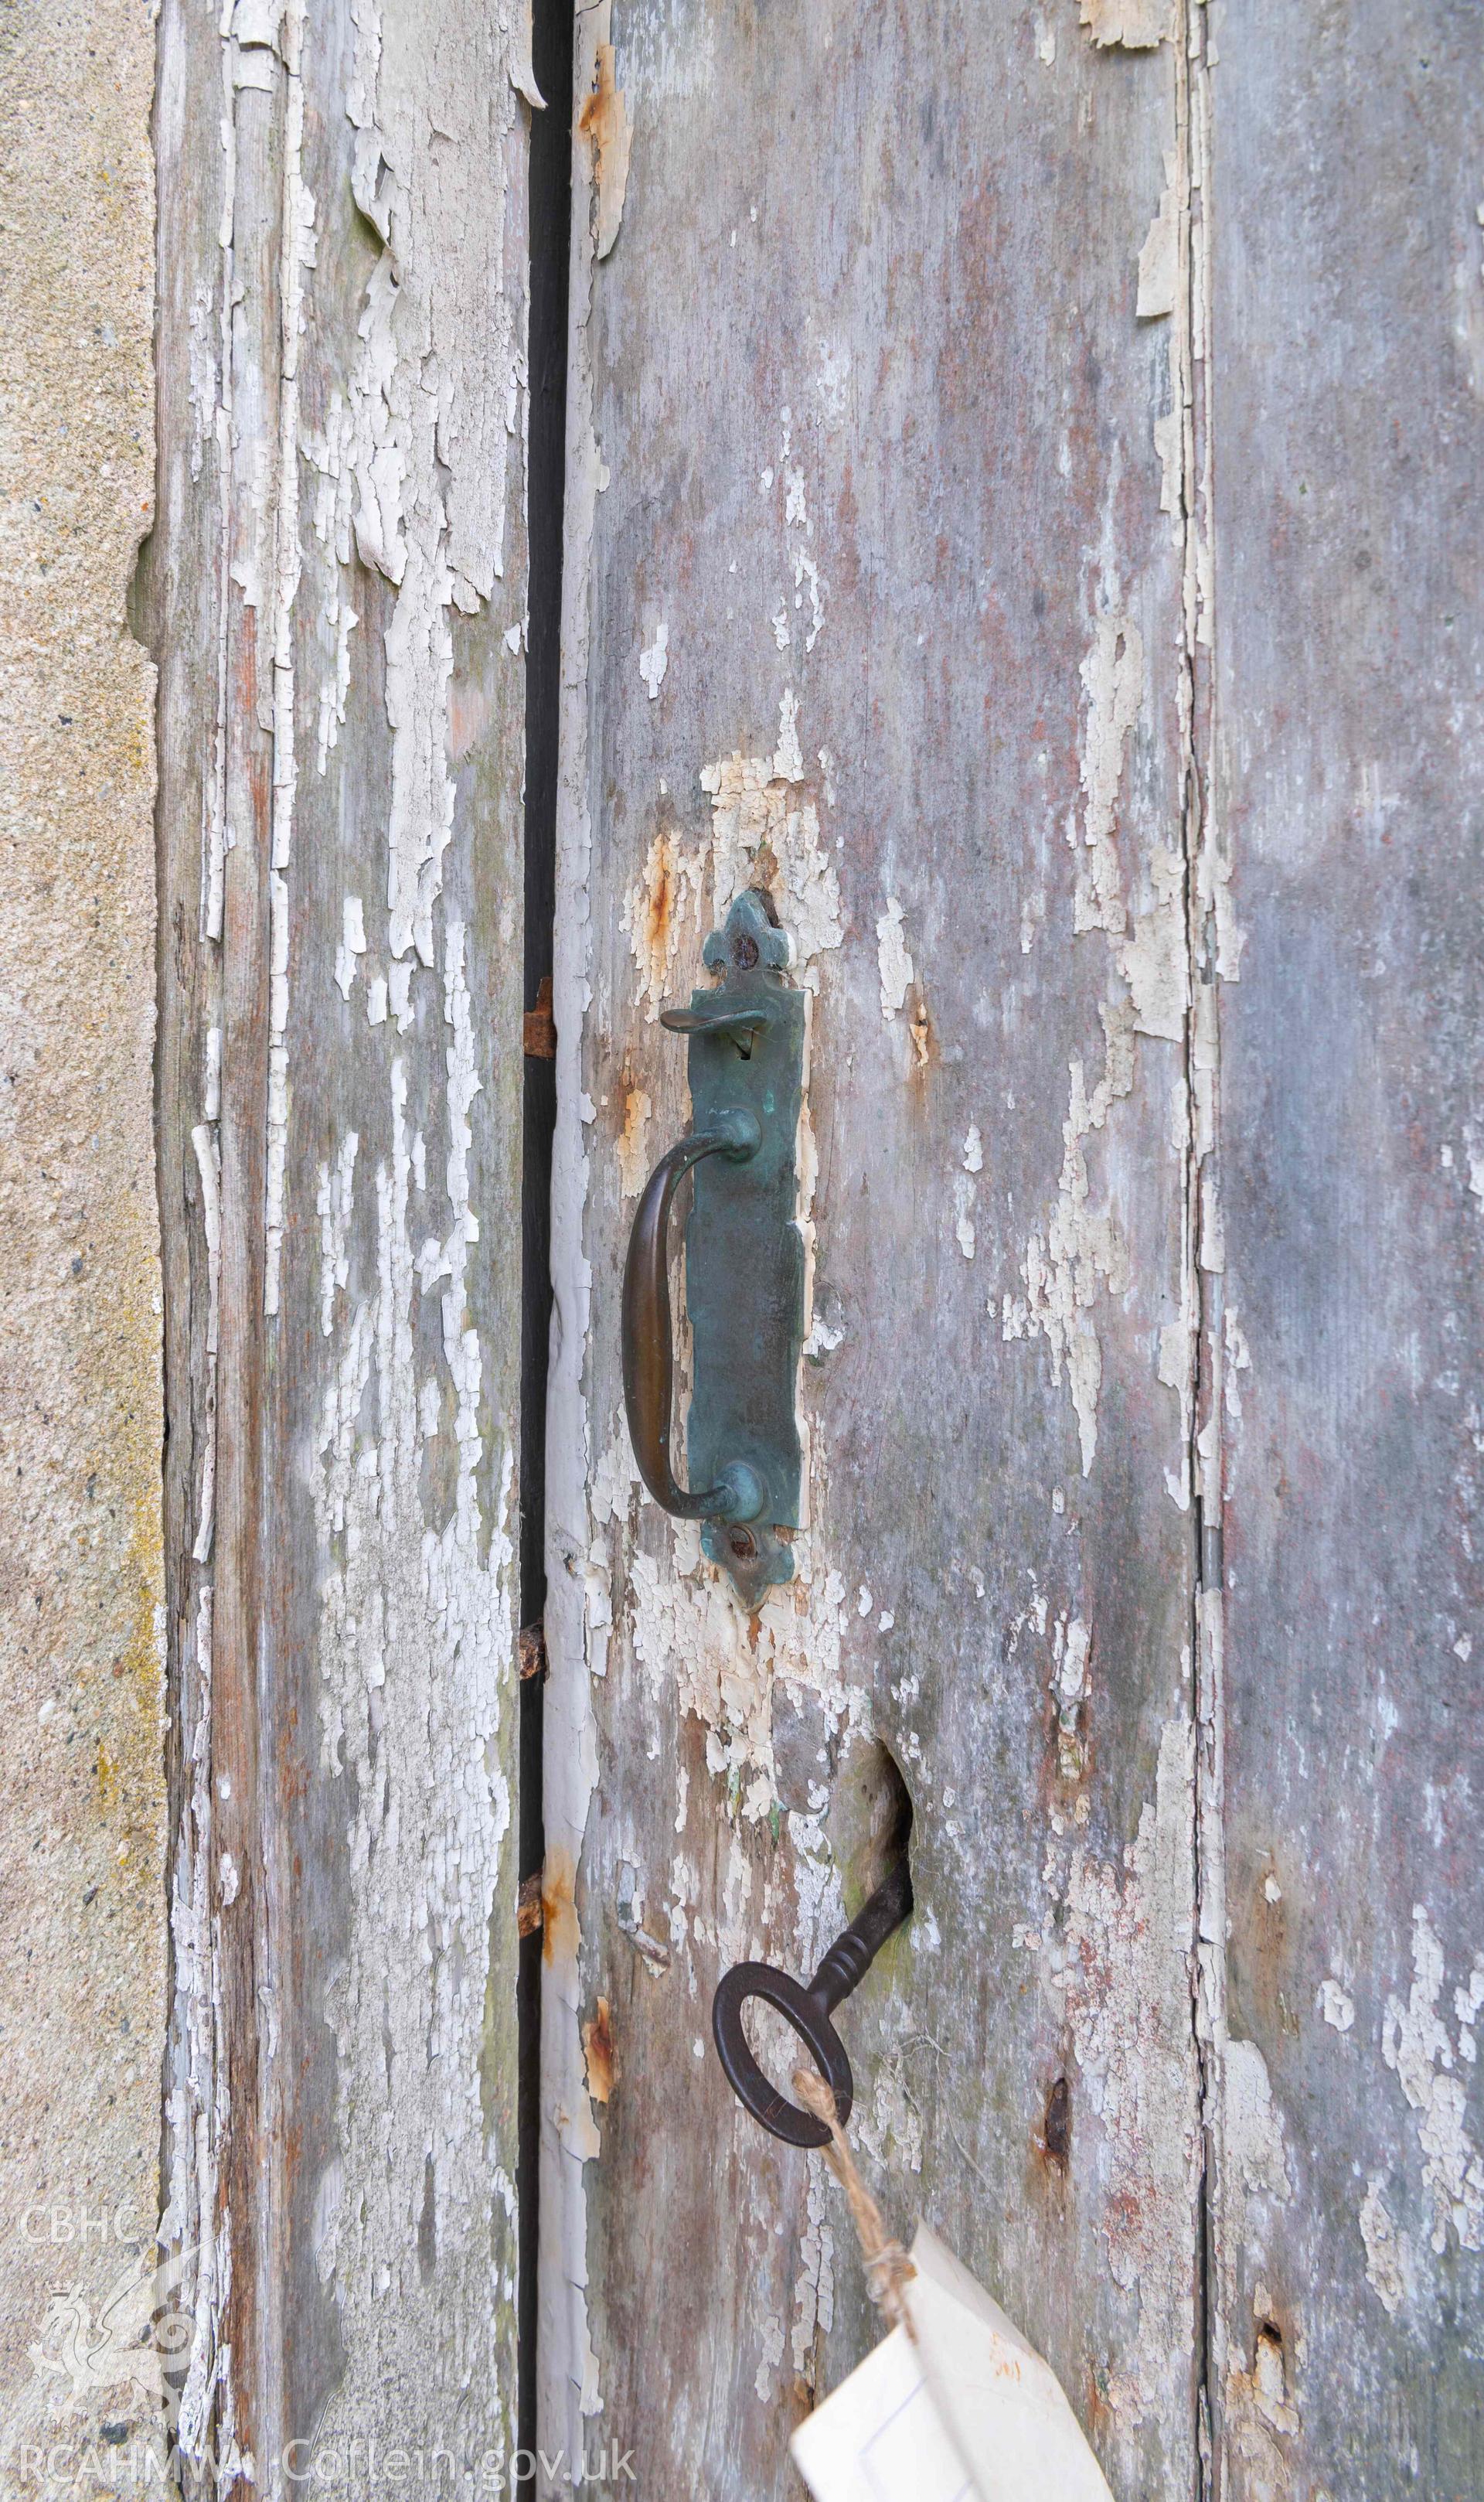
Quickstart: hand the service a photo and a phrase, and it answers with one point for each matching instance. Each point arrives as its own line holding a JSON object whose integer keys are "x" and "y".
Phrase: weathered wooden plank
{"x": 338, "y": 606}
{"x": 880, "y": 592}
{"x": 1348, "y": 333}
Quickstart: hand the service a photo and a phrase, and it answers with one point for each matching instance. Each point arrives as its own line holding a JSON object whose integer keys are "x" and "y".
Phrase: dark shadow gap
{"x": 550, "y": 221}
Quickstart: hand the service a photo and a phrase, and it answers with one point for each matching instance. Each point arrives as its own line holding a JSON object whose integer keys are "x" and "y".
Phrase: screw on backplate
{"x": 742, "y": 1543}
{"x": 744, "y": 949}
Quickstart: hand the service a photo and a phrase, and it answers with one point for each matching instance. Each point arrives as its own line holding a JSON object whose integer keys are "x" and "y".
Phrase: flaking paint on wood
{"x": 891, "y": 584}
{"x": 337, "y": 595}
{"x": 893, "y": 502}
{"x": 1344, "y": 1321}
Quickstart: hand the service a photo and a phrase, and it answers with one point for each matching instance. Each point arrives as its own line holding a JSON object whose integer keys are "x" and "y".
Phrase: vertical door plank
{"x": 877, "y": 596}
{"x": 338, "y": 604}
{"x": 1349, "y": 339}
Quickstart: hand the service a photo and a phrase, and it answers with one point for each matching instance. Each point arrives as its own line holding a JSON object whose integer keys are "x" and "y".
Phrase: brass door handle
{"x": 743, "y": 1264}
{"x": 648, "y": 1353}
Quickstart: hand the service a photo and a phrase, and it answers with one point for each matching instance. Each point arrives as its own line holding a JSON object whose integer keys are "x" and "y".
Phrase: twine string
{"x": 888, "y": 2268}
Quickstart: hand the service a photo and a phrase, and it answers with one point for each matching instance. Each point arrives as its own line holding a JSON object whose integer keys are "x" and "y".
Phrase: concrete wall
{"x": 82, "y": 1927}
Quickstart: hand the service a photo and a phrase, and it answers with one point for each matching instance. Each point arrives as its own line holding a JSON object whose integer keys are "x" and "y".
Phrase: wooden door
{"x": 1022, "y": 512}
{"x": 1347, "y": 349}
{"x": 878, "y": 598}
{"x": 335, "y": 593}
{"x": 1018, "y": 514}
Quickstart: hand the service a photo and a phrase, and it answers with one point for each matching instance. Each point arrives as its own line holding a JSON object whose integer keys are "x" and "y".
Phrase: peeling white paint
{"x": 687, "y": 1629}
{"x": 419, "y": 463}
{"x": 1081, "y": 1250}
{"x": 1071, "y": 1650}
{"x": 1169, "y": 452}
{"x": 891, "y": 2128}
{"x": 341, "y": 620}
{"x": 335, "y": 1202}
{"x": 416, "y": 1660}
{"x": 1133, "y": 26}
{"x": 1113, "y": 683}
{"x": 1388, "y": 2254}
{"x": 682, "y": 1627}
{"x": 576, "y": 1636}
{"x": 1158, "y": 259}
{"x": 1238, "y": 1359}
{"x": 806, "y": 577}
{"x": 196, "y": 2107}
{"x": 1256, "y": 2163}
{"x": 208, "y": 1154}
{"x": 410, "y": 472}
{"x": 814, "y": 2290}
{"x": 664, "y": 919}
{"x": 1467, "y": 2004}
{"x": 832, "y": 381}
{"x": 296, "y": 254}
{"x": 1177, "y": 1372}
{"x": 521, "y": 68}
{"x": 1335, "y": 2004}
{"x": 655, "y": 659}
{"x": 770, "y": 2340}
{"x": 1114, "y": 1953}
{"x": 352, "y": 943}
{"x": 1421, "y": 2053}
{"x": 1080, "y": 1253}
{"x": 1154, "y": 961}
{"x": 964, "y": 1194}
{"x": 197, "y": 2112}
{"x": 894, "y": 965}
{"x": 764, "y": 831}
{"x": 788, "y": 756}
{"x": 202, "y": 368}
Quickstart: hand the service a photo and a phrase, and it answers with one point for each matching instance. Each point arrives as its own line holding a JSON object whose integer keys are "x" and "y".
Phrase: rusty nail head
{"x": 744, "y": 949}
{"x": 742, "y": 1542}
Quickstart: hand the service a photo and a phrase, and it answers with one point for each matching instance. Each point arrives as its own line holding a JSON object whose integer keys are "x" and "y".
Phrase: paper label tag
{"x": 880, "y": 2437}
{"x": 963, "y": 2411}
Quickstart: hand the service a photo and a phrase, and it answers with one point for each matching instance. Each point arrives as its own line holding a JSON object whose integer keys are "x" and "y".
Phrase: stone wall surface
{"x": 82, "y": 1927}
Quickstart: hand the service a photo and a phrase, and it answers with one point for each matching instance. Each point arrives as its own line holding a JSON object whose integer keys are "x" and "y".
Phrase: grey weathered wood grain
{"x": 1348, "y": 330}
{"x": 337, "y": 594}
{"x": 864, "y": 419}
